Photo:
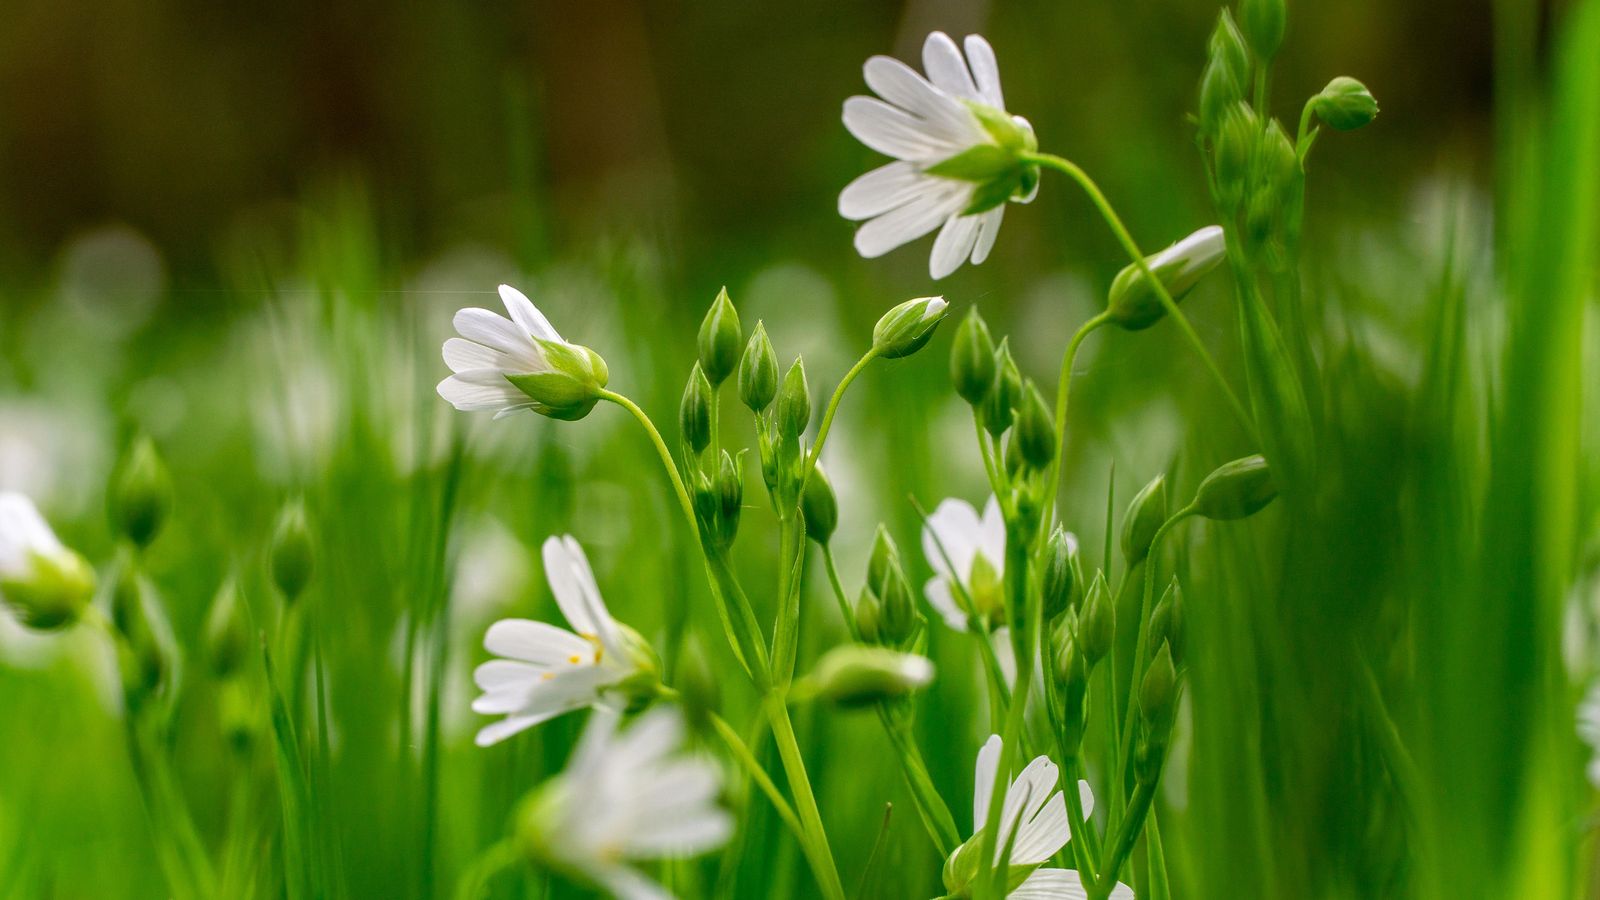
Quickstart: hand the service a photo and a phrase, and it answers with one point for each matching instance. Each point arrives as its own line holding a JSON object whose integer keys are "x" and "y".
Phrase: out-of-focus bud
{"x": 908, "y": 327}
{"x": 694, "y": 412}
{"x": 794, "y": 401}
{"x": 1143, "y": 519}
{"x": 141, "y": 493}
{"x": 721, "y": 339}
{"x": 1036, "y": 430}
{"x": 820, "y": 507}
{"x": 987, "y": 589}
{"x": 1235, "y": 146}
{"x": 1159, "y": 686}
{"x": 1236, "y": 489}
{"x": 1280, "y": 164}
{"x": 147, "y": 655}
{"x": 1227, "y": 46}
{"x": 897, "y": 618}
{"x": 570, "y": 385}
{"x": 1000, "y": 407}
{"x": 697, "y": 684}
{"x": 1056, "y": 574}
{"x": 1097, "y": 625}
{"x": 240, "y": 714}
{"x": 868, "y": 612}
{"x": 291, "y": 556}
{"x": 1067, "y": 655}
{"x": 1345, "y": 104}
{"x": 1220, "y": 89}
{"x": 1262, "y": 22}
{"x": 884, "y": 561}
{"x": 853, "y": 675}
{"x": 972, "y": 359}
{"x": 729, "y": 488}
{"x": 43, "y": 582}
{"x": 758, "y": 371}
{"x": 227, "y": 637}
{"x": 1133, "y": 303}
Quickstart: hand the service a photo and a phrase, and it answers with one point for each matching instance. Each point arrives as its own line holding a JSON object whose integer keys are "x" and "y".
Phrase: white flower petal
{"x": 913, "y": 220}
{"x": 895, "y": 132}
{"x": 496, "y": 732}
{"x": 945, "y": 602}
{"x": 498, "y": 332}
{"x": 555, "y": 692}
{"x": 525, "y": 314}
{"x": 902, "y": 86}
{"x": 1086, "y": 798}
{"x": 985, "y": 70}
{"x": 468, "y": 397}
{"x": 983, "y": 779}
{"x": 570, "y": 591}
{"x": 539, "y": 643}
{"x": 992, "y": 535}
{"x": 1029, "y": 793}
{"x": 988, "y": 229}
{"x": 23, "y": 533}
{"x": 955, "y": 529}
{"x": 953, "y": 245}
{"x": 1061, "y": 884}
{"x": 941, "y": 58}
{"x": 627, "y": 884}
{"x": 460, "y": 353}
{"x": 881, "y": 190}
{"x": 679, "y": 835}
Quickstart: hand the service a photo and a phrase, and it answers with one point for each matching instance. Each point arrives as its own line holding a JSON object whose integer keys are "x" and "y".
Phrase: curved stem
{"x": 828, "y": 414}
{"x": 839, "y": 594}
{"x": 741, "y": 752}
{"x": 1071, "y": 170}
{"x": 1063, "y": 388}
{"x": 665, "y": 454}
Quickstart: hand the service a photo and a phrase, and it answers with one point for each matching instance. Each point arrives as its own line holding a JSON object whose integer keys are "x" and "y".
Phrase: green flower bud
{"x": 1096, "y": 628}
{"x": 291, "y": 555}
{"x": 730, "y": 497}
{"x": 1236, "y": 489}
{"x": 1262, "y": 22}
{"x": 1071, "y": 669}
{"x": 987, "y": 589}
{"x": 694, "y": 412}
{"x": 1143, "y": 519}
{"x": 1159, "y": 687}
{"x": 794, "y": 401}
{"x": 999, "y": 409}
{"x": 758, "y": 371}
{"x": 141, "y": 493}
{"x": 1345, "y": 104}
{"x": 1280, "y": 164}
{"x": 241, "y": 715}
{"x": 570, "y": 384}
{"x": 698, "y": 685}
{"x": 868, "y": 612}
{"x": 1227, "y": 46}
{"x": 227, "y": 639}
{"x": 1056, "y": 575}
{"x": 1219, "y": 91}
{"x": 1036, "y": 430}
{"x": 853, "y": 675}
{"x": 908, "y": 327}
{"x": 884, "y": 562}
{"x": 721, "y": 339}
{"x": 972, "y": 359}
{"x": 43, "y": 582}
{"x": 1133, "y": 303}
{"x": 820, "y": 507}
{"x": 147, "y": 657}
{"x": 897, "y": 618}
{"x": 1235, "y": 146}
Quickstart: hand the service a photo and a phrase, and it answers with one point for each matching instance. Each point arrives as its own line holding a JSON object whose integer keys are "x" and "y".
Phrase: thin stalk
{"x": 1022, "y": 615}
{"x": 828, "y": 414}
{"x": 1071, "y": 170}
{"x": 1141, "y": 643}
{"x": 1127, "y": 833}
{"x": 752, "y": 766}
{"x": 935, "y": 814}
{"x": 1085, "y": 843}
{"x": 1063, "y": 389}
{"x": 839, "y": 594}
{"x": 816, "y": 843}
{"x": 475, "y": 877}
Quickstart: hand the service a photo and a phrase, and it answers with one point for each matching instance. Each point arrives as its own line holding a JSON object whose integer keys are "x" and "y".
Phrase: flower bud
{"x": 571, "y": 383}
{"x": 1235, "y": 146}
{"x": 148, "y": 656}
{"x": 141, "y": 493}
{"x": 43, "y": 582}
{"x": 1036, "y": 430}
{"x": 999, "y": 409}
{"x": 1219, "y": 91}
{"x": 794, "y": 401}
{"x": 697, "y": 684}
{"x": 721, "y": 339}
{"x": 1143, "y": 519}
{"x": 1133, "y": 303}
{"x": 227, "y": 640}
{"x": 884, "y": 561}
{"x": 1097, "y": 625}
{"x": 987, "y": 589}
{"x": 1161, "y": 619}
{"x": 1280, "y": 164}
{"x": 1227, "y": 47}
{"x": 1056, "y": 574}
{"x": 853, "y": 675}
{"x": 897, "y": 617}
{"x": 240, "y": 714}
{"x": 908, "y": 327}
{"x": 729, "y": 488}
{"x": 1345, "y": 104}
{"x": 1159, "y": 686}
{"x": 868, "y": 612}
{"x": 758, "y": 371}
{"x": 972, "y": 359}
{"x": 1071, "y": 670}
{"x": 1262, "y": 22}
{"x": 1236, "y": 489}
{"x": 291, "y": 554}
{"x": 820, "y": 507}
{"x": 694, "y": 412}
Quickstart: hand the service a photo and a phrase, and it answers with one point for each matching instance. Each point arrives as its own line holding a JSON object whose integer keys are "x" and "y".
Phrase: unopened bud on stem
{"x": 758, "y": 371}
{"x": 694, "y": 412}
{"x": 1236, "y": 489}
{"x": 721, "y": 339}
{"x": 1133, "y": 303}
{"x": 972, "y": 359}
{"x": 1143, "y": 519}
{"x": 908, "y": 327}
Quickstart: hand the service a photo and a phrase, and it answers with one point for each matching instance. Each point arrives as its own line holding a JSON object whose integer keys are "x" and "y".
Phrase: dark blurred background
{"x": 710, "y": 128}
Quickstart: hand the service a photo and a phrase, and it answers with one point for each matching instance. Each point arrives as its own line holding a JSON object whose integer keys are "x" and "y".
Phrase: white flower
{"x": 968, "y": 554}
{"x": 519, "y": 363}
{"x": 44, "y": 583}
{"x": 548, "y": 671}
{"x": 627, "y": 795}
{"x": 1589, "y": 729}
{"x": 1035, "y": 812}
{"x": 923, "y": 122}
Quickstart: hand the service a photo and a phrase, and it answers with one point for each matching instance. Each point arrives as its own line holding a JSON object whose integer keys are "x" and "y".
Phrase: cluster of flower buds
{"x": 887, "y": 612}
{"x": 1009, "y": 406}
{"x": 241, "y": 713}
{"x": 1081, "y": 638}
{"x": 139, "y": 500}
{"x": 716, "y": 476}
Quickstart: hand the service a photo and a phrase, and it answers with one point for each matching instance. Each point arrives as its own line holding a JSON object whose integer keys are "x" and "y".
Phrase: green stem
{"x": 1063, "y": 388}
{"x": 741, "y": 753}
{"x": 794, "y": 765}
{"x": 839, "y": 594}
{"x": 475, "y": 877}
{"x": 828, "y": 414}
{"x": 1022, "y": 617}
{"x": 1085, "y": 844}
{"x": 1071, "y": 170}
{"x": 936, "y": 817}
{"x": 1127, "y": 833}
{"x": 1142, "y": 642}
{"x": 666, "y": 456}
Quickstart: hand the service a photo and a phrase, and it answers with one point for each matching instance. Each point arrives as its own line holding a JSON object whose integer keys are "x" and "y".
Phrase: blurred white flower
{"x": 1589, "y": 729}
{"x": 968, "y": 554}
{"x": 519, "y": 363}
{"x": 547, "y": 671}
{"x": 43, "y": 582}
{"x": 626, "y": 795}
{"x": 956, "y": 150}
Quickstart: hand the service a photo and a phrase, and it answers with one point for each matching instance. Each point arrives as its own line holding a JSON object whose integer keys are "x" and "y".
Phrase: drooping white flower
{"x": 545, "y": 671}
{"x": 1033, "y": 816}
{"x": 626, "y": 795}
{"x": 509, "y": 365}
{"x": 46, "y": 584}
{"x": 1589, "y": 729}
{"x": 957, "y": 151}
{"x": 968, "y": 554}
